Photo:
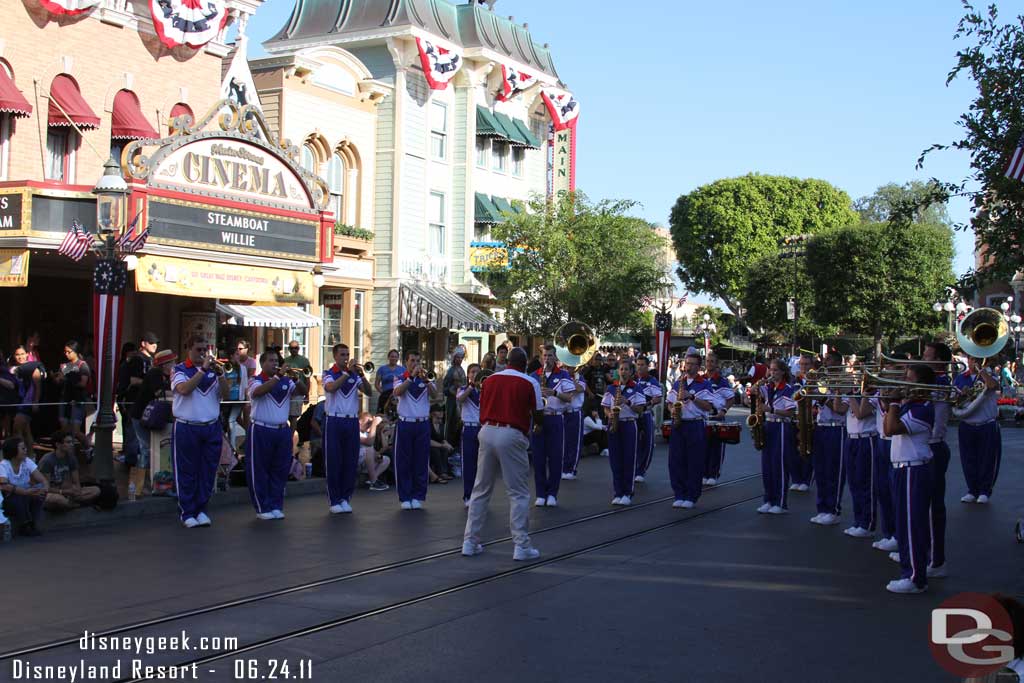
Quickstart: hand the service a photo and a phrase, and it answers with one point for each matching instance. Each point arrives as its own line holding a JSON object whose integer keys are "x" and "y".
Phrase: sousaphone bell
{"x": 575, "y": 344}
{"x": 983, "y": 333}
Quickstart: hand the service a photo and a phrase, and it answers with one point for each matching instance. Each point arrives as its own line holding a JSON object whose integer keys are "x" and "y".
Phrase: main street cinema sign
{"x": 231, "y": 189}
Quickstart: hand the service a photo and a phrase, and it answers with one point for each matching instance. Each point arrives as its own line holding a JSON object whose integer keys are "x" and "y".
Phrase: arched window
{"x": 308, "y": 159}
{"x": 336, "y": 185}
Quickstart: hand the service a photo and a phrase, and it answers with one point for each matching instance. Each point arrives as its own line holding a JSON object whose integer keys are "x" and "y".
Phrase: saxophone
{"x": 756, "y": 419}
{"x": 804, "y": 423}
{"x": 613, "y": 423}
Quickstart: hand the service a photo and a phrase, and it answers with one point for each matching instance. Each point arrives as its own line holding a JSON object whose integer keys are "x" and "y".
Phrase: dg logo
{"x": 971, "y": 635}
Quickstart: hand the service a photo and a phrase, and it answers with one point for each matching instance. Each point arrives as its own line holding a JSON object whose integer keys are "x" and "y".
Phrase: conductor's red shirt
{"x": 509, "y": 398}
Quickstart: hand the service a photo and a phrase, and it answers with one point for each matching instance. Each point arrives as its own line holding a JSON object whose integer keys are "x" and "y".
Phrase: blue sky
{"x": 678, "y": 94}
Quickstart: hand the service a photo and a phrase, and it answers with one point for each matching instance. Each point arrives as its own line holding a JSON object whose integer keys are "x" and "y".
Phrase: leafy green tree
{"x": 992, "y": 56}
{"x": 880, "y": 279}
{"x": 921, "y": 202}
{"x": 771, "y": 284}
{"x": 720, "y": 230}
{"x": 578, "y": 260}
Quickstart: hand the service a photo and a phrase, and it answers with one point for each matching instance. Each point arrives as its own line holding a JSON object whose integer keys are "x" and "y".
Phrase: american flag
{"x": 1016, "y": 168}
{"x": 682, "y": 299}
{"x": 646, "y": 302}
{"x": 76, "y": 243}
{"x": 130, "y": 242}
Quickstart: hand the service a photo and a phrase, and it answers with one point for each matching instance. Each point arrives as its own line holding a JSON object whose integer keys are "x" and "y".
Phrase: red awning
{"x": 64, "y": 92}
{"x": 128, "y": 122}
{"x": 11, "y": 99}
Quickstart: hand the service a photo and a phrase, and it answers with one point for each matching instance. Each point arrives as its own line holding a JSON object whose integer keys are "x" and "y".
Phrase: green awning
{"x": 511, "y": 131}
{"x": 524, "y": 130}
{"x": 487, "y": 125}
{"x": 485, "y": 211}
{"x": 503, "y": 206}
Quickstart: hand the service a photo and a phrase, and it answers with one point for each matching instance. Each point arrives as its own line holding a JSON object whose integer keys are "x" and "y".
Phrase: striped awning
{"x": 267, "y": 316}
{"x": 437, "y": 308}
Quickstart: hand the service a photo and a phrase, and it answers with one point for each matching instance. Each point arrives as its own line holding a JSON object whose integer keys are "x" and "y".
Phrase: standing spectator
{"x": 231, "y": 413}
{"x": 246, "y": 371}
{"x": 23, "y": 486}
{"x": 29, "y": 375}
{"x": 32, "y": 348}
{"x": 138, "y": 366}
{"x": 298, "y": 362}
{"x": 73, "y": 379}
{"x": 454, "y": 380}
{"x": 384, "y": 382}
{"x": 595, "y": 381}
{"x": 61, "y": 470}
{"x": 489, "y": 362}
{"x": 129, "y": 444}
{"x": 9, "y": 396}
{"x": 501, "y": 358}
{"x": 1008, "y": 385}
{"x": 155, "y": 386}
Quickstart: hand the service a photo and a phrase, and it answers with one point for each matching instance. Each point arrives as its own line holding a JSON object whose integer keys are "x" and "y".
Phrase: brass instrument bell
{"x": 575, "y": 344}
{"x": 983, "y": 333}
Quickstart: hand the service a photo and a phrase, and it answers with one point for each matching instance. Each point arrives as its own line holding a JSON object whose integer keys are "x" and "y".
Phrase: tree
{"x": 880, "y": 279}
{"x": 922, "y": 203}
{"x": 577, "y": 260}
{"x": 992, "y": 127}
{"x": 771, "y": 284}
{"x": 715, "y": 317}
{"x": 720, "y": 230}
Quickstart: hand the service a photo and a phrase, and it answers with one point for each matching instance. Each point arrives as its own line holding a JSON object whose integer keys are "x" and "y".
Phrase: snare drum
{"x": 726, "y": 432}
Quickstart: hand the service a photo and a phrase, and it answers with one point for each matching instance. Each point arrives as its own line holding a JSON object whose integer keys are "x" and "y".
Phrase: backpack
{"x": 108, "y": 496}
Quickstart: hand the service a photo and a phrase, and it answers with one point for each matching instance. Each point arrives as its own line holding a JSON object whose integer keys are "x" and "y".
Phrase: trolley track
{"x": 388, "y": 567}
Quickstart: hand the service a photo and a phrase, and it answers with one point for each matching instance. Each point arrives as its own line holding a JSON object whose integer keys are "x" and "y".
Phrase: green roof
{"x": 485, "y": 211}
{"x": 486, "y": 124}
{"x": 524, "y": 131}
{"x": 503, "y": 206}
{"x": 511, "y": 131}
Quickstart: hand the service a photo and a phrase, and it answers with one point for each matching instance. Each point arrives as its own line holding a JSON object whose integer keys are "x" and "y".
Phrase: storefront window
{"x": 357, "y": 327}
{"x": 330, "y": 328}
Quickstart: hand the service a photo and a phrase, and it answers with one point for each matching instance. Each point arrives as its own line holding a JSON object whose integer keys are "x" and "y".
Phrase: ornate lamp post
{"x": 707, "y": 328}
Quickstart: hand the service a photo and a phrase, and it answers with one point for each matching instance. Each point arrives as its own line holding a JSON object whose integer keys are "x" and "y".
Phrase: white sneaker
{"x": 968, "y": 498}
{"x": 625, "y": 500}
{"x": 777, "y": 510}
{"x": 764, "y": 508}
{"x": 552, "y": 502}
{"x": 857, "y": 532}
{"x": 905, "y": 586}
{"x": 337, "y": 509}
{"x": 604, "y": 453}
{"x": 678, "y": 503}
{"x": 828, "y": 519}
{"x": 416, "y": 505}
{"x": 568, "y": 475}
{"x": 265, "y": 515}
{"x": 712, "y": 481}
{"x": 639, "y": 478}
{"x": 794, "y": 487}
{"x": 937, "y": 572}
{"x": 278, "y": 514}
{"x": 540, "y": 502}
{"x": 190, "y": 523}
{"x": 816, "y": 519}
{"x": 469, "y": 548}
{"x": 617, "y": 500}
{"x": 895, "y": 557}
{"x": 465, "y": 503}
{"x": 687, "y": 504}
{"x": 805, "y": 487}
{"x": 345, "y": 507}
{"x": 983, "y": 499}
{"x": 406, "y": 505}
{"x": 522, "y": 554}
{"x": 203, "y": 519}
{"x": 704, "y": 481}
{"x": 886, "y": 544}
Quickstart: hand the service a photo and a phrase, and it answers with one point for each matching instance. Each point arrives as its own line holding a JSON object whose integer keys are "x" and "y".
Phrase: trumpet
{"x": 294, "y": 373}
{"x": 428, "y": 375}
{"x": 221, "y": 366}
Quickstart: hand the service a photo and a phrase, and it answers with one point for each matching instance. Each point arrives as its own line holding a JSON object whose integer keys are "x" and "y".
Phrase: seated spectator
{"x": 61, "y": 469}
{"x": 595, "y": 432}
{"x": 24, "y": 487}
{"x": 440, "y": 449}
{"x": 370, "y": 461}
{"x": 316, "y": 438}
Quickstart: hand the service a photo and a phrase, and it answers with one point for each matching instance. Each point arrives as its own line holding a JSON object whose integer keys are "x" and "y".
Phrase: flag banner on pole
{"x": 663, "y": 331}
{"x": 513, "y": 82}
{"x": 440, "y": 62}
{"x": 187, "y": 22}
{"x": 562, "y": 106}
{"x": 130, "y": 241}
{"x": 76, "y": 242}
{"x": 682, "y": 299}
{"x": 1016, "y": 168}
{"x": 109, "y": 280}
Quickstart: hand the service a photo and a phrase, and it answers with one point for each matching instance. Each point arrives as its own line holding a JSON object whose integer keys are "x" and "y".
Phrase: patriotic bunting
{"x": 563, "y": 107}
{"x": 1016, "y": 168}
{"x": 513, "y": 82}
{"x": 187, "y": 22}
{"x": 440, "y": 62}
{"x": 76, "y": 242}
{"x": 130, "y": 242}
{"x": 68, "y": 7}
{"x": 109, "y": 280}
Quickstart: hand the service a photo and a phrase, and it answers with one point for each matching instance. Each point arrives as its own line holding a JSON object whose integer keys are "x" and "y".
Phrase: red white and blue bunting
{"x": 187, "y": 22}
{"x": 513, "y": 82}
{"x": 69, "y": 7}
{"x": 563, "y": 107}
{"x": 441, "y": 61}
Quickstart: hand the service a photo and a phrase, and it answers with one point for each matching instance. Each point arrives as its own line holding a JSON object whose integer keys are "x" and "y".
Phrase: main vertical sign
{"x": 563, "y": 164}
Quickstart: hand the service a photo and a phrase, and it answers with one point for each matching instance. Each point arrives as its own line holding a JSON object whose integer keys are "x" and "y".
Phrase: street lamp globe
{"x": 948, "y": 307}
{"x": 961, "y": 307}
{"x": 937, "y": 307}
{"x": 707, "y": 317}
{"x": 1004, "y": 307}
{"x": 110, "y": 193}
{"x": 1015, "y": 319}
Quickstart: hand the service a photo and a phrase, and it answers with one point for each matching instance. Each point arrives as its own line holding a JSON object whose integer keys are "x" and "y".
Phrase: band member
{"x": 414, "y": 392}
{"x": 937, "y": 351}
{"x": 882, "y": 481}
{"x": 779, "y": 437}
{"x": 342, "y": 384}
{"x": 557, "y": 389}
{"x": 196, "y": 437}
{"x": 859, "y": 461}
{"x": 910, "y": 423}
{"x": 981, "y": 444}
{"x": 468, "y": 398}
{"x": 828, "y": 446}
{"x": 268, "y": 443}
{"x": 687, "y": 445}
{"x": 724, "y": 397}
{"x": 649, "y": 387}
{"x": 574, "y": 429}
{"x": 624, "y": 403}
{"x": 801, "y": 472}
